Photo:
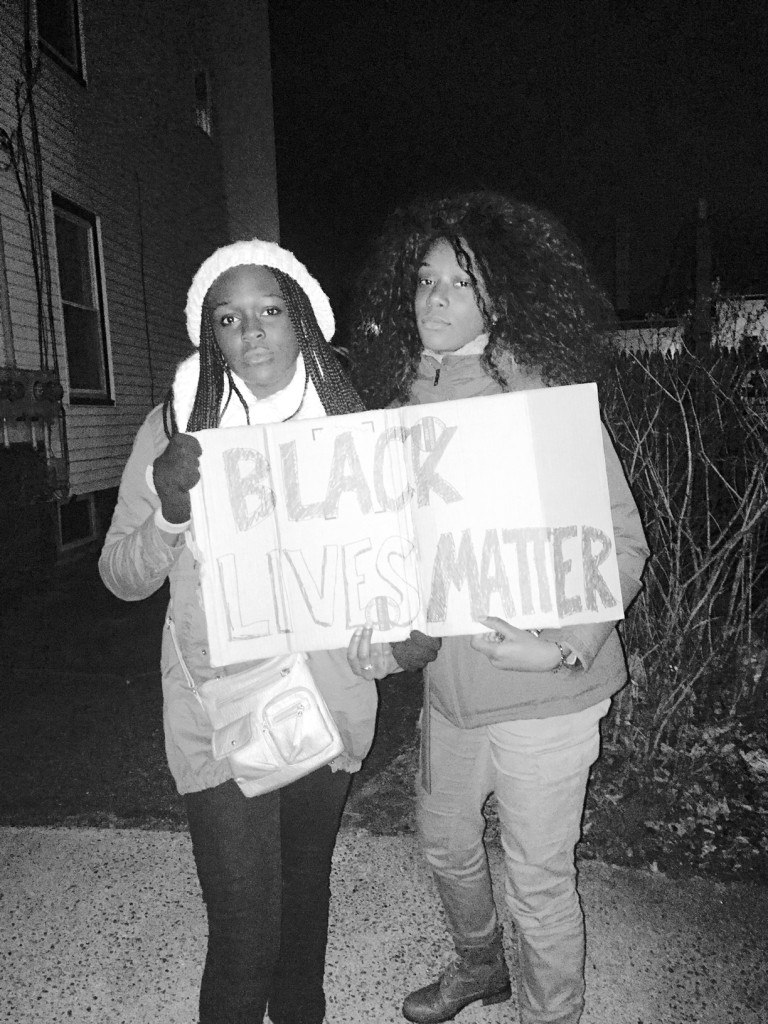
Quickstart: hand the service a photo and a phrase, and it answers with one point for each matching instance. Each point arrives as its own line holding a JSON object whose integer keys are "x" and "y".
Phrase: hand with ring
{"x": 370, "y": 661}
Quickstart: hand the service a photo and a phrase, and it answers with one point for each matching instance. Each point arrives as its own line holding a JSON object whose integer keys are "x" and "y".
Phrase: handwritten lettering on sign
{"x": 427, "y": 517}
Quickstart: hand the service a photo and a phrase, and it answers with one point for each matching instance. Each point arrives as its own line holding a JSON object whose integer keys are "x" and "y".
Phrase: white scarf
{"x": 293, "y": 402}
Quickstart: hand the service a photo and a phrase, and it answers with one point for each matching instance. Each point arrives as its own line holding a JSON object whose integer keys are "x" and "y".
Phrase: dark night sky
{"x": 594, "y": 109}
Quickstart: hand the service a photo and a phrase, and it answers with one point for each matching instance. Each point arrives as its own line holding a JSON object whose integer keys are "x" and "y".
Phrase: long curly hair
{"x": 544, "y": 313}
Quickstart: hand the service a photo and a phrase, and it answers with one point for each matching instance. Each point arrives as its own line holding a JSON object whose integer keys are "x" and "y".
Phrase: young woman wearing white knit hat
{"x": 262, "y": 326}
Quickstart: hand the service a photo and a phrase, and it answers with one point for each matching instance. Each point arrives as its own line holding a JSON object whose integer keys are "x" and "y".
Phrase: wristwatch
{"x": 563, "y": 657}
{"x": 569, "y": 660}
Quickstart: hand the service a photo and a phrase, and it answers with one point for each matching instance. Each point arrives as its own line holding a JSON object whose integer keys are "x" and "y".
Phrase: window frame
{"x": 76, "y": 69}
{"x": 81, "y": 216}
{"x": 73, "y": 544}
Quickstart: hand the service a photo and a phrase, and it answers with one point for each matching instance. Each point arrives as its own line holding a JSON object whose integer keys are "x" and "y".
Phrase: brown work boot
{"x": 478, "y": 972}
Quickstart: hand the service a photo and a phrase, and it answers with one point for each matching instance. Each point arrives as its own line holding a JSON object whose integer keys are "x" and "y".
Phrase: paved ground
{"x": 107, "y": 926}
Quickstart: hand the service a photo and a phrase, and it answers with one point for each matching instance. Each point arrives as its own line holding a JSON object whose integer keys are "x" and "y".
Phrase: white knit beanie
{"x": 260, "y": 254}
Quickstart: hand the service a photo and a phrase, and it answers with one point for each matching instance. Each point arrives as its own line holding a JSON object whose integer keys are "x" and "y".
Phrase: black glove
{"x": 175, "y": 472}
{"x": 417, "y": 651}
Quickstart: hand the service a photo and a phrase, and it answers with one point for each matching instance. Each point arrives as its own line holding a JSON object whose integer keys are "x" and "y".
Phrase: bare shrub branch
{"x": 693, "y": 435}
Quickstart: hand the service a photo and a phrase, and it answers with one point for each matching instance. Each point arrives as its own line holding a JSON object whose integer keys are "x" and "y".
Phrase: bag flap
{"x": 231, "y": 738}
{"x": 227, "y": 698}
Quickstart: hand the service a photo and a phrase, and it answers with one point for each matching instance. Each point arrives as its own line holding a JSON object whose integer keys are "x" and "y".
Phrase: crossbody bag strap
{"x": 187, "y": 674}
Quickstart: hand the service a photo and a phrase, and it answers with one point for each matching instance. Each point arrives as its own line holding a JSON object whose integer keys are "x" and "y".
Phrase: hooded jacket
{"x": 138, "y": 556}
{"x": 461, "y": 683}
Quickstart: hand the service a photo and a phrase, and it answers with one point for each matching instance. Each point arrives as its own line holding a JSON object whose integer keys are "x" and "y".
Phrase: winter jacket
{"x": 461, "y": 683}
{"x": 136, "y": 560}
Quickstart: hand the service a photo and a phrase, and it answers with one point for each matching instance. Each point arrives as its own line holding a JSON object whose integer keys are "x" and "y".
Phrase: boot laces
{"x": 452, "y": 969}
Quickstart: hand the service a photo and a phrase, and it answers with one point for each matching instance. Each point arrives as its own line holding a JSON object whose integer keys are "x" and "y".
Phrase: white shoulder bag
{"x": 270, "y": 721}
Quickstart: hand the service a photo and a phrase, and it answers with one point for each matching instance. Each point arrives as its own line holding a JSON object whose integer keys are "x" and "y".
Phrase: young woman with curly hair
{"x": 463, "y": 297}
{"x": 541, "y": 310}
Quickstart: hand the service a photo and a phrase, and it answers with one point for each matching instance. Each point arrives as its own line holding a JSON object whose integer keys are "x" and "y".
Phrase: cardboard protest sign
{"x": 427, "y": 517}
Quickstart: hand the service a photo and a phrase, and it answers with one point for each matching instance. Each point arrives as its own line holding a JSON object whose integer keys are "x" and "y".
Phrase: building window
{"x": 77, "y": 522}
{"x": 82, "y": 300}
{"x": 58, "y": 33}
{"x": 203, "y": 102}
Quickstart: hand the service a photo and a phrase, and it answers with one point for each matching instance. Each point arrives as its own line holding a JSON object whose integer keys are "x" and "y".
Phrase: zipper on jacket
{"x": 437, "y": 377}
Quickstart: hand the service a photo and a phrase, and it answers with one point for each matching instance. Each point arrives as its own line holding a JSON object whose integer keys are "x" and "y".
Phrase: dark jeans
{"x": 264, "y": 866}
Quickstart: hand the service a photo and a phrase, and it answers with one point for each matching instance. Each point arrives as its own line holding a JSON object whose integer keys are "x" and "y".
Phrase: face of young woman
{"x": 253, "y": 328}
{"x": 447, "y": 314}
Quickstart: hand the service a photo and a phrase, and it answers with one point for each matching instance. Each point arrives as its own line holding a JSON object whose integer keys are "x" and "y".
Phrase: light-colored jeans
{"x": 538, "y": 770}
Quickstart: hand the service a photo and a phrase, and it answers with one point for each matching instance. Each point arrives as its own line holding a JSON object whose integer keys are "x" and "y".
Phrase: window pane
{"x": 56, "y": 26}
{"x": 84, "y": 358}
{"x": 74, "y": 252}
{"x": 81, "y": 300}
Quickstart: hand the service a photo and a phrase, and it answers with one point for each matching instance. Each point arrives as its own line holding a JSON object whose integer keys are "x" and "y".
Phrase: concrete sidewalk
{"x": 108, "y": 926}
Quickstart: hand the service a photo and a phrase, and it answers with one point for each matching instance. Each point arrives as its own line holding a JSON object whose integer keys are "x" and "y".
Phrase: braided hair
{"x": 332, "y": 384}
{"x": 541, "y": 308}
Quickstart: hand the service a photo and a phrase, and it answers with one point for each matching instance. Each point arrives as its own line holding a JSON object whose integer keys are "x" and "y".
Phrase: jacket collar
{"x": 473, "y": 348}
{"x": 462, "y": 370}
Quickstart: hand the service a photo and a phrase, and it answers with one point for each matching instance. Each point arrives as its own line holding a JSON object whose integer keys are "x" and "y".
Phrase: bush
{"x": 693, "y": 434}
